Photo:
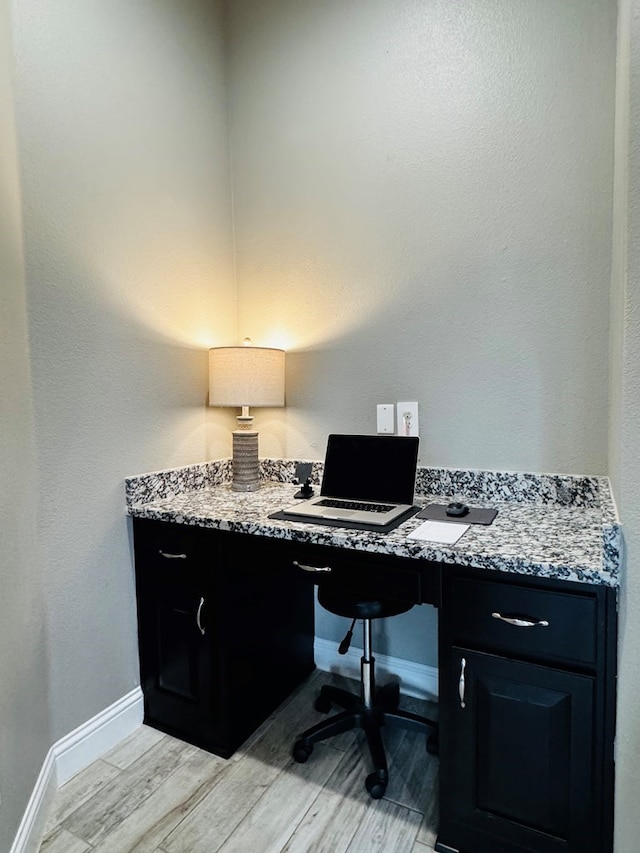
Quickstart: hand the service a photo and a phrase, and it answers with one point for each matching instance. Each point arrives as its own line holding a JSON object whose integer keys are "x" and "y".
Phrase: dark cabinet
{"x": 526, "y": 672}
{"x": 526, "y": 716}
{"x": 222, "y": 639}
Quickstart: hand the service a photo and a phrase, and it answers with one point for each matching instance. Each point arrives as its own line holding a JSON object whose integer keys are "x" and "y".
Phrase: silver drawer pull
{"x": 198, "y": 623}
{"x": 172, "y": 556}
{"x": 521, "y": 623}
{"x": 311, "y": 568}
{"x": 461, "y": 683}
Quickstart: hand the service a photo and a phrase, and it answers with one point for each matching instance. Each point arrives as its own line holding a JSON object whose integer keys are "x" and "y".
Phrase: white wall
{"x": 123, "y": 149}
{"x": 422, "y": 195}
{"x": 625, "y": 421}
{"x": 24, "y": 696}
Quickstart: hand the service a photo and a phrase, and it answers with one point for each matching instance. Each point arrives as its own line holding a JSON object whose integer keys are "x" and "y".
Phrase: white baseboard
{"x": 33, "y": 821}
{"x": 100, "y": 734}
{"x": 69, "y": 756}
{"x": 416, "y": 679}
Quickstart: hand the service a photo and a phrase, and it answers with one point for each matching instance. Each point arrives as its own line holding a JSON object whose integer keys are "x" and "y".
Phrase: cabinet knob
{"x": 521, "y": 622}
{"x": 169, "y": 556}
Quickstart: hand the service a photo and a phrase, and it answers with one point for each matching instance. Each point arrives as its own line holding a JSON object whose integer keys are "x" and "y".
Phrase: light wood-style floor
{"x": 156, "y": 794}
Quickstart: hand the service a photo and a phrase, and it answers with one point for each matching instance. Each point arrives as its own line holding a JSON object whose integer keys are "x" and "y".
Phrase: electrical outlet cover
{"x": 407, "y": 418}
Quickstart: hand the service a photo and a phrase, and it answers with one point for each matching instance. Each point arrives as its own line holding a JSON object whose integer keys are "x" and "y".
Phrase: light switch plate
{"x": 407, "y": 418}
{"x": 385, "y": 422}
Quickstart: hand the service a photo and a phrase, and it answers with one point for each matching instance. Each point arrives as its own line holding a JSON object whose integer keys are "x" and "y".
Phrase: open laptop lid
{"x": 370, "y": 468}
{"x": 376, "y": 469}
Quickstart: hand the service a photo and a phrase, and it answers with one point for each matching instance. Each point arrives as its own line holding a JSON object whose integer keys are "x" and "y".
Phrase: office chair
{"x": 375, "y": 707}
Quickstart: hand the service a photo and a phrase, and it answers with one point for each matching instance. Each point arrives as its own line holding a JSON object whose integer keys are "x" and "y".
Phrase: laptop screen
{"x": 370, "y": 467}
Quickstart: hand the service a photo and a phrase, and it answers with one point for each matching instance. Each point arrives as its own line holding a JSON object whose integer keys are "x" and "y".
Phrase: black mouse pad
{"x": 476, "y": 515}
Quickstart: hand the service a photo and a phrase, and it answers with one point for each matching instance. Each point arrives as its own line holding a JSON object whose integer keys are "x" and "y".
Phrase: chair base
{"x": 384, "y": 711}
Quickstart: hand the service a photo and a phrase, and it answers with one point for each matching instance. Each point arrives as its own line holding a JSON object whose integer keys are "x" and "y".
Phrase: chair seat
{"x": 357, "y": 607}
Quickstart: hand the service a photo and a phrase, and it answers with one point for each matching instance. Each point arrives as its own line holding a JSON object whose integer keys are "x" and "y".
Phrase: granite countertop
{"x": 556, "y": 526}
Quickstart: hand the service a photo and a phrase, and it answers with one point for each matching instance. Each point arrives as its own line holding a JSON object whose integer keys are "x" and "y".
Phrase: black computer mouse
{"x": 456, "y": 509}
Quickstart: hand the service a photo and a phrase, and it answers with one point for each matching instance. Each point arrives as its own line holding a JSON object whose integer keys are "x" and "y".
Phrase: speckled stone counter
{"x": 555, "y": 526}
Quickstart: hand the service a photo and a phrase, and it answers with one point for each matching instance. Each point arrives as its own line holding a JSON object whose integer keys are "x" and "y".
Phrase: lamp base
{"x": 245, "y": 465}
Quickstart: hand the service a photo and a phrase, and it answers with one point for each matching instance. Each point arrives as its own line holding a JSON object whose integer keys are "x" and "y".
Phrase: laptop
{"x": 367, "y": 479}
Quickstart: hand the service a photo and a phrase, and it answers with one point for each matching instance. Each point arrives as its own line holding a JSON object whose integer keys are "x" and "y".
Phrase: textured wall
{"x": 422, "y": 195}
{"x": 625, "y": 421}
{"x": 24, "y": 719}
{"x": 123, "y": 147}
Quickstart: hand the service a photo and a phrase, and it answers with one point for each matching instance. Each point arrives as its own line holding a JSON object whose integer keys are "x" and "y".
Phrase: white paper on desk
{"x": 444, "y": 532}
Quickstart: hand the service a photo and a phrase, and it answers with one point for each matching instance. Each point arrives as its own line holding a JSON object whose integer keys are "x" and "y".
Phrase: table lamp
{"x": 246, "y": 376}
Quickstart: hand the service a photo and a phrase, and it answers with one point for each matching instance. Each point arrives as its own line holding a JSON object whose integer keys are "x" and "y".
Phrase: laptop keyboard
{"x": 356, "y": 505}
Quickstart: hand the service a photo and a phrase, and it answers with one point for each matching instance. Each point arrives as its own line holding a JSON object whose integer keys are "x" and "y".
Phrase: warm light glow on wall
{"x": 188, "y": 301}
{"x": 279, "y": 339}
{"x": 312, "y": 304}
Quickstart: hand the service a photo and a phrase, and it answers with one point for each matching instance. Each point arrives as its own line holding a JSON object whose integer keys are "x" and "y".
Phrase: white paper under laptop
{"x": 368, "y": 479}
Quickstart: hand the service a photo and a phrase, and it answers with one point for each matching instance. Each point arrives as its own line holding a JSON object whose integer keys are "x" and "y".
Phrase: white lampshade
{"x": 246, "y": 376}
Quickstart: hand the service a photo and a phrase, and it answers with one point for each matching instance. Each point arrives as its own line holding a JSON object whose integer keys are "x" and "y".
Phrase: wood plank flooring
{"x": 156, "y": 794}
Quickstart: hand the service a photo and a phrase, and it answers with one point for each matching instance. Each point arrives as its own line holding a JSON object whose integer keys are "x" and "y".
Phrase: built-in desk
{"x": 527, "y": 634}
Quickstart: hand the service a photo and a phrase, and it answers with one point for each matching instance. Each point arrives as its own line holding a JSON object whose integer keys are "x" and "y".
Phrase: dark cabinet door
{"x": 177, "y": 664}
{"x": 520, "y": 776}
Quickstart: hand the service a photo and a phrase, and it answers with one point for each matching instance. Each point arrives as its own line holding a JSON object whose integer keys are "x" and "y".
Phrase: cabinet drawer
{"x": 371, "y": 576}
{"x": 171, "y": 548}
{"x": 548, "y": 624}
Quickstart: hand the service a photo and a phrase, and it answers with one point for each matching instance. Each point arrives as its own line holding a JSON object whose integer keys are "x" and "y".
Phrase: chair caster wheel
{"x": 374, "y": 786}
{"x": 322, "y": 704}
{"x": 302, "y": 751}
{"x": 433, "y": 747}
